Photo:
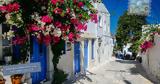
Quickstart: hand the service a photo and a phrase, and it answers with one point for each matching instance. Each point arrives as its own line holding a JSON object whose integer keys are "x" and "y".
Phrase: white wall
{"x": 105, "y": 50}
{"x": 91, "y": 28}
{"x": 151, "y": 59}
{"x": 66, "y": 62}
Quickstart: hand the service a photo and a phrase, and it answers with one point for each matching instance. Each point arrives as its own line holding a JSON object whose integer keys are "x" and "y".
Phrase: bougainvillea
{"x": 147, "y": 40}
{"x": 67, "y": 15}
{"x": 146, "y": 45}
{"x": 50, "y": 21}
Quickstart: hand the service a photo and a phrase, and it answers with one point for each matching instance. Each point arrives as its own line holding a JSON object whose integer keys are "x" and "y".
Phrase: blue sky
{"x": 116, "y": 8}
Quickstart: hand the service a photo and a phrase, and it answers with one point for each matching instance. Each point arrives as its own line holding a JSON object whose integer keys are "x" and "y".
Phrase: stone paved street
{"x": 116, "y": 72}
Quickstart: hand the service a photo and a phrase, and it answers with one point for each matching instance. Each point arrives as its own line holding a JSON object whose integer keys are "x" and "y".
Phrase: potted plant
{"x": 7, "y": 55}
{"x": 2, "y": 80}
{"x": 16, "y": 79}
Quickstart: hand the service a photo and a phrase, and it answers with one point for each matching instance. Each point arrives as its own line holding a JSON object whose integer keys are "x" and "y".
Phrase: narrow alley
{"x": 116, "y": 72}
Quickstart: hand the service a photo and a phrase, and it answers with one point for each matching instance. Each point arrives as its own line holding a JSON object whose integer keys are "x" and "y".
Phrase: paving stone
{"x": 117, "y": 72}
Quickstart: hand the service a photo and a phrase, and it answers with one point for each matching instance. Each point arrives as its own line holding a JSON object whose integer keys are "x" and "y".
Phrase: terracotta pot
{"x": 16, "y": 79}
{"x": 2, "y": 81}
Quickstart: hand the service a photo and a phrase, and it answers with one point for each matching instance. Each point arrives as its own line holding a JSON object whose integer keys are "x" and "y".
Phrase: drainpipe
{"x": 1, "y": 53}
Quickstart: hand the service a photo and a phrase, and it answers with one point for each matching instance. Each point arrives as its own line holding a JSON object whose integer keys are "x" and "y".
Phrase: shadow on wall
{"x": 137, "y": 70}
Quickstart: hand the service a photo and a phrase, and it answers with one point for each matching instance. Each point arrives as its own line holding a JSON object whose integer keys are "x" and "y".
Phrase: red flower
{"x": 61, "y": 1}
{"x": 46, "y": 19}
{"x": 80, "y": 4}
{"x": 81, "y": 26}
{"x": 74, "y": 1}
{"x": 58, "y": 24}
{"x": 57, "y": 11}
{"x": 33, "y": 28}
{"x": 80, "y": 15}
{"x": 39, "y": 37}
{"x": 146, "y": 45}
{"x": 54, "y": 2}
{"x": 47, "y": 39}
{"x": 19, "y": 40}
{"x": 3, "y": 8}
{"x": 85, "y": 27}
{"x": 68, "y": 10}
{"x": 78, "y": 36}
{"x": 65, "y": 27}
{"x": 70, "y": 36}
{"x": 56, "y": 39}
{"x": 13, "y": 7}
{"x": 94, "y": 18}
{"x": 74, "y": 21}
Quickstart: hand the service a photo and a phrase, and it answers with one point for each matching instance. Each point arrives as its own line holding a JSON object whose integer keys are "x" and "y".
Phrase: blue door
{"x": 77, "y": 60}
{"x": 85, "y": 54}
{"x": 92, "y": 48}
{"x": 39, "y": 56}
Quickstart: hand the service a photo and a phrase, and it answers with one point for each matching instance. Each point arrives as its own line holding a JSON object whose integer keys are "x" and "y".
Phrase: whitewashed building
{"x": 95, "y": 46}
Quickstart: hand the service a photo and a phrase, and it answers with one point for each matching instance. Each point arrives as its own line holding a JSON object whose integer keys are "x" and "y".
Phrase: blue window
{"x": 92, "y": 48}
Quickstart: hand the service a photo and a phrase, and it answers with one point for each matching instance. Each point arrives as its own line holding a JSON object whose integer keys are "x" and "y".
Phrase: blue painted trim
{"x": 41, "y": 57}
{"x": 77, "y": 66}
{"x": 85, "y": 54}
{"x": 93, "y": 41}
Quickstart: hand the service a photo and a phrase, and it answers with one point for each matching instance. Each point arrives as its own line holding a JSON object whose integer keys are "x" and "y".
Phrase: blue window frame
{"x": 92, "y": 48}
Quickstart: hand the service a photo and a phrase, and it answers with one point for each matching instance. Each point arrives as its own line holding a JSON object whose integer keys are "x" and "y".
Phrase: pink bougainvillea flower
{"x": 74, "y": 1}
{"x": 39, "y": 37}
{"x": 70, "y": 36}
{"x": 94, "y": 18}
{"x": 58, "y": 24}
{"x": 56, "y": 39}
{"x": 149, "y": 44}
{"x": 80, "y": 4}
{"x": 13, "y": 7}
{"x": 146, "y": 45}
{"x": 47, "y": 39}
{"x": 3, "y": 8}
{"x": 74, "y": 21}
{"x": 85, "y": 27}
{"x": 33, "y": 28}
{"x": 68, "y": 10}
{"x": 65, "y": 27}
{"x": 61, "y": 1}
{"x": 54, "y": 2}
{"x": 57, "y": 11}
{"x": 80, "y": 15}
{"x": 46, "y": 19}
{"x": 81, "y": 26}
{"x": 78, "y": 36}
{"x": 19, "y": 40}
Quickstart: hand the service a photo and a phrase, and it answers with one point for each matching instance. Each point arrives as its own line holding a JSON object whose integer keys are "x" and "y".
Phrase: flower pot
{"x": 2, "y": 81}
{"x": 16, "y": 79}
